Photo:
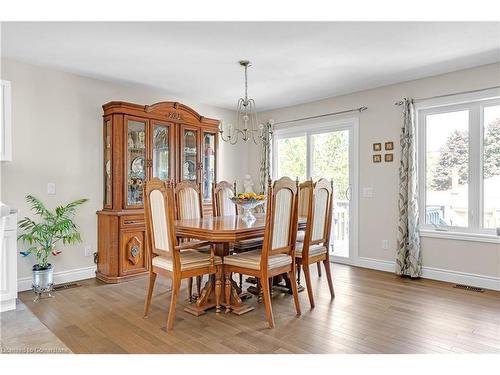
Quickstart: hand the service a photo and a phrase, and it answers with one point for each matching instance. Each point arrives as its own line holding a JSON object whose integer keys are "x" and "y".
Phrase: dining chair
{"x": 314, "y": 247}
{"x": 222, "y": 192}
{"x": 278, "y": 250}
{"x": 222, "y": 205}
{"x": 168, "y": 258}
{"x": 189, "y": 205}
{"x": 303, "y": 205}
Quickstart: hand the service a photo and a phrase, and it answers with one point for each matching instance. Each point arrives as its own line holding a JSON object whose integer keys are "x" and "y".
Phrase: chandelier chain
{"x": 246, "y": 86}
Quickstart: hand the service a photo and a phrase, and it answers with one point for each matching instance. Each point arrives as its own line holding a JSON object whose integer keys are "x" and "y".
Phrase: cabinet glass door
{"x": 190, "y": 155}
{"x": 136, "y": 154}
{"x": 107, "y": 164}
{"x": 161, "y": 152}
{"x": 208, "y": 161}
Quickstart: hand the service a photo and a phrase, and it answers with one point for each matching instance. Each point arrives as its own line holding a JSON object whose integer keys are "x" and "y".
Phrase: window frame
{"x": 475, "y": 103}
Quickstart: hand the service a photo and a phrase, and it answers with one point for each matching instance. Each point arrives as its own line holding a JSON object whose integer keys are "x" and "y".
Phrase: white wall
{"x": 382, "y": 122}
{"x": 57, "y": 137}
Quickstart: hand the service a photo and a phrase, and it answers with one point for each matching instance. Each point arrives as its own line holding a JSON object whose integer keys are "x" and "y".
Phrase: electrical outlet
{"x": 385, "y": 245}
{"x": 88, "y": 251}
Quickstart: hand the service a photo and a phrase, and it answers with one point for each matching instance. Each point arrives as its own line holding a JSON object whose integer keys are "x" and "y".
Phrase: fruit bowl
{"x": 248, "y": 201}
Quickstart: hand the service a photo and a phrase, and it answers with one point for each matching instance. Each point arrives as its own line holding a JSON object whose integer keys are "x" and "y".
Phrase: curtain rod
{"x": 360, "y": 109}
{"x": 445, "y": 95}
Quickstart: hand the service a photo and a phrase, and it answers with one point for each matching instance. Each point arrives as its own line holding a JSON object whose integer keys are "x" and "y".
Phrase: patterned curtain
{"x": 265, "y": 157}
{"x": 408, "y": 255}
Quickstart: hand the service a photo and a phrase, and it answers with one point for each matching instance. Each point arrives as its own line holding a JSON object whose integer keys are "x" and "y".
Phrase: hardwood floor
{"x": 373, "y": 312}
{"x": 21, "y": 332}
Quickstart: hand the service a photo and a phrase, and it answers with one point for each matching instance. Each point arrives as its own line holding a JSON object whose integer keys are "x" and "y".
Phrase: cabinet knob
{"x": 134, "y": 251}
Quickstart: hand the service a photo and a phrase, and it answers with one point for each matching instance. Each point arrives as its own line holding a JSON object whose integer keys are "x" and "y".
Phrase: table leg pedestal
{"x": 232, "y": 294}
{"x": 206, "y": 300}
{"x": 242, "y": 293}
{"x": 208, "y": 297}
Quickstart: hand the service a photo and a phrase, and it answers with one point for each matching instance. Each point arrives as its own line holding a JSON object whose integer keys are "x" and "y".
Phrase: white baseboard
{"x": 480, "y": 281}
{"x": 8, "y": 305}
{"x": 24, "y": 283}
{"x": 455, "y": 277}
{"x": 375, "y": 264}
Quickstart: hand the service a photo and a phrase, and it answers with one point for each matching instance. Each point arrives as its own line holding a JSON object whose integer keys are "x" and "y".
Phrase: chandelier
{"x": 246, "y": 119}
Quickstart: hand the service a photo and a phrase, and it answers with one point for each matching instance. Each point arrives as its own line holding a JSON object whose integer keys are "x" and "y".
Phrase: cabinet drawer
{"x": 132, "y": 221}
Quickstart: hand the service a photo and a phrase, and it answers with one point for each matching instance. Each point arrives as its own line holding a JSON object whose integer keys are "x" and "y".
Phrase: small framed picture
{"x": 377, "y": 158}
{"x": 377, "y": 147}
{"x": 389, "y": 157}
{"x": 389, "y": 146}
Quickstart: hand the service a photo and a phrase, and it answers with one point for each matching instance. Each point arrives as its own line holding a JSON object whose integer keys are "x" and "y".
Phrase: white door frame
{"x": 311, "y": 127}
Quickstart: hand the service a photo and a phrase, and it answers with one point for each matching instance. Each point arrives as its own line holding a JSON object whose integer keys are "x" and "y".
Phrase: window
{"x": 324, "y": 149}
{"x": 291, "y": 157}
{"x": 459, "y": 165}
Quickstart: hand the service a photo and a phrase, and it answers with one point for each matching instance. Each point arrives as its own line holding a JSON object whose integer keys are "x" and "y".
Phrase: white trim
{"x": 314, "y": 126}
{"x": 482, "y": 95}
{"x": 456, "y": 277}
{"x": 432, "y": 273}
{"x": 24, "y": 283}
{"x": 8, "y": 305}
{"x": 375, "y": 264}
{"x": 6, "y": 122}
{"x": 474, "y": 103}
{"x": 462, "y": 236}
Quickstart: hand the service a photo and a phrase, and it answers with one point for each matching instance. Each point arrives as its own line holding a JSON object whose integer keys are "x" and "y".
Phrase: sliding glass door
{"x": 317, "y": 151}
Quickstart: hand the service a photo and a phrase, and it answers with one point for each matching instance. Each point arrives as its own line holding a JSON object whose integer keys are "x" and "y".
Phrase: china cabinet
{"x": 167, "y": 140}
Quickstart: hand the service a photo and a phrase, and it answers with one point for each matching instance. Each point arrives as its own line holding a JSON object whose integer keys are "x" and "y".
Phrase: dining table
{"x": 221, "y": 231}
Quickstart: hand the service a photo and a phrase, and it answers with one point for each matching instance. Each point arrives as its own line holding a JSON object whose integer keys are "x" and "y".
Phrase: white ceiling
{"x": 293, "y": 62}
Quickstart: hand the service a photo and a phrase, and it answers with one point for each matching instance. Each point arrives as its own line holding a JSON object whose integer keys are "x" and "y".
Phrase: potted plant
{"x": 42, "y": 237}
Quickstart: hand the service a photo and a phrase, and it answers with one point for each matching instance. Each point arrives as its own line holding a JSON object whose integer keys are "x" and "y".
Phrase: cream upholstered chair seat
{"x": 190, "y": 259}
{"x": 251, "y": 259}
{"x": 313, "y": 249}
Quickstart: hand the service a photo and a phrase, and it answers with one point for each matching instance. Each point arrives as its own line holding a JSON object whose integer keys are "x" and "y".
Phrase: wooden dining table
{"x": 221, "y": 231}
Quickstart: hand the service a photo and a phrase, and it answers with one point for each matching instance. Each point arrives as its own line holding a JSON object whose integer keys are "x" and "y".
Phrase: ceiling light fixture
{"x": 246, "y": 118}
